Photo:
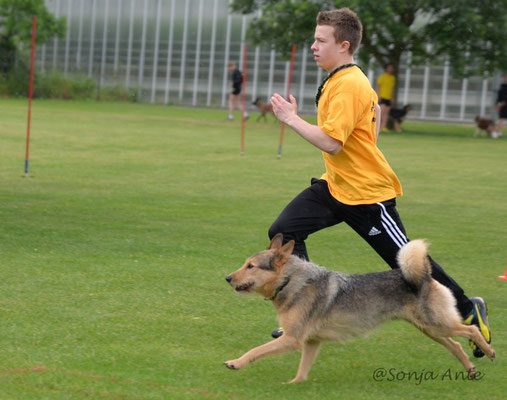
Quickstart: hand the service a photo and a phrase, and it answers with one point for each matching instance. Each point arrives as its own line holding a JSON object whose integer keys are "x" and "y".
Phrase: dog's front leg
{"x": 281, "y": 345}
{"x": 310, "y": 351}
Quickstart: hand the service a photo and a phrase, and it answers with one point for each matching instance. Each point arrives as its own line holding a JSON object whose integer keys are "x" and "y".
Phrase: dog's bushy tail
{"x": 414, "y": 263}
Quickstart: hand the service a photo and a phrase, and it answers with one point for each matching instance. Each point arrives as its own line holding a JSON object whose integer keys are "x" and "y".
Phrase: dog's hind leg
{"x": 281, "y": 345}
{"x": 473, "y": 333}
{"x": 467, "y": 331}
{"x": 455, "y": 349}
{"x": 310, "y": 351}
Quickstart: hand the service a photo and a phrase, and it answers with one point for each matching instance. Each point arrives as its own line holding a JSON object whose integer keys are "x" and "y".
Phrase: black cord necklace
{"x": 319, "y": 90}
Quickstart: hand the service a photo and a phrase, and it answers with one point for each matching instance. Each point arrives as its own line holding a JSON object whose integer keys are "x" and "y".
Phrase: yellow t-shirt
{"x": 359, "y": 173}
{"x": 386, "y": 82}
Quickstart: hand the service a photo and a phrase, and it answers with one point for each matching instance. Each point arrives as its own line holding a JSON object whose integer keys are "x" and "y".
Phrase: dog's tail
{"x": 414, "y": 263}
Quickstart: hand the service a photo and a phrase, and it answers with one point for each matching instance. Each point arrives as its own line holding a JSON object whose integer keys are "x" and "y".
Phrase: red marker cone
{"x": 504, "y": 277}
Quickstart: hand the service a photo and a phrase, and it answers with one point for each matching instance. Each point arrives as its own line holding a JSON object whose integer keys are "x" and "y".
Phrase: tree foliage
{"x": 471, "y": 34}
{"x": 16, "y": 28}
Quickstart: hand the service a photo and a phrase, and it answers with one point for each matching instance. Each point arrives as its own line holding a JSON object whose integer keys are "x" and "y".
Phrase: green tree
{"x": 16, "y": 28}
{"x": 471, "y": 34}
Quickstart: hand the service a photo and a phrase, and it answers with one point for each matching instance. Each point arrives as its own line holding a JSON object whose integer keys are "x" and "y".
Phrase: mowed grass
{"x": 114, "y": 252}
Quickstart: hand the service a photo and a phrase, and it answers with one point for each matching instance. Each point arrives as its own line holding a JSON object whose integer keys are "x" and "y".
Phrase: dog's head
{"x": 259, "y": 273}
{"x": 257, "y": 101}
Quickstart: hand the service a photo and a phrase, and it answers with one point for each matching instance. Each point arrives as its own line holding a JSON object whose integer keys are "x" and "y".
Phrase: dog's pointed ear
{"x": 282, "y": 254}
{"x": 276, "y": 242}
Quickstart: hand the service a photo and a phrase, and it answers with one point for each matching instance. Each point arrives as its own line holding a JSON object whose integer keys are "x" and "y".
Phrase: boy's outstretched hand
{"x": 283, "y": 109}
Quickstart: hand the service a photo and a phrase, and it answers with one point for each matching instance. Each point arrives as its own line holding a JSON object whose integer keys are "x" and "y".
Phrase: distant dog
{"x": 316, "y": 305}
{"x": 396, "y": 117}
{"x": 264, "y": 108}
{"x": 485, "y": 125}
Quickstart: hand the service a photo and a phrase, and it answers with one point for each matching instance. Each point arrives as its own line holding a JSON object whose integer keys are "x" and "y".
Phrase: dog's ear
{"x": 276, "y": 242}
{"x": 282, "y": 254}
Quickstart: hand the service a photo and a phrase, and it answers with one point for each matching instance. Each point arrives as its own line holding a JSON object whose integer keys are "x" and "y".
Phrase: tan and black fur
{"x": 264, "y": 108}
{"x": 484, "y": 125}
{"x": 316, "y": 305}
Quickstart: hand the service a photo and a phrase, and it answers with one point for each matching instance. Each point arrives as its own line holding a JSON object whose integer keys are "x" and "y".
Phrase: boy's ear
{"x": 276, "y": 242}
{"x": 282, "y": 254}
{"x": 344, "y": 46}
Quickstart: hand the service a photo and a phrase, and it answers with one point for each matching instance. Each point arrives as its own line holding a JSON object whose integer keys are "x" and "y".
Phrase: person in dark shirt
{"x": 501, "y": 105}
{"x": 236, "y": 83}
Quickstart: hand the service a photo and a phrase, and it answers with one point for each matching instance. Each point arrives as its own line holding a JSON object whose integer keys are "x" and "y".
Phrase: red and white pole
{"x": 291, "y": 68}
{"x": 30, "y": 93}
{"x": 243, "y": 98}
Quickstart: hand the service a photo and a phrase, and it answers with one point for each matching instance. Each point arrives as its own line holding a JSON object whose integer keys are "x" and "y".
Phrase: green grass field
{"x": 114, "y": 252}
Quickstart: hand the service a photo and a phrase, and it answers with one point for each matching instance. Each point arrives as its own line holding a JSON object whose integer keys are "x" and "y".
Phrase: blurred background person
{"x": 501, "y": 106}
{"x": 234, "y": 96}
{"x": 385, "y": 89}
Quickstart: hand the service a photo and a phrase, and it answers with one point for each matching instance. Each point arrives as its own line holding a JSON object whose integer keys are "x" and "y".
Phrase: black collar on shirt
{"x": 319, "y": 90}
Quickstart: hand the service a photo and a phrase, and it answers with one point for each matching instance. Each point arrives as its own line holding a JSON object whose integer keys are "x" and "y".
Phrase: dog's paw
{"x": 232, "y": 364}
{"x": 297, "y": 379}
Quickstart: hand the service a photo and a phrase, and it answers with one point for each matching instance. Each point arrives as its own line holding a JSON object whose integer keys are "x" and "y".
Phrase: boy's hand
{"x": 283, "y": 109}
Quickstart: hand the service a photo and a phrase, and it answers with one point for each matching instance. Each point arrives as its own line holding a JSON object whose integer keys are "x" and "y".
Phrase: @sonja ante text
{"x": 399, "y": 375}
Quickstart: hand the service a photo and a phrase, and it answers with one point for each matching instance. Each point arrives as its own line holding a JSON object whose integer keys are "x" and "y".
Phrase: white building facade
{"x": 176, "y": 52}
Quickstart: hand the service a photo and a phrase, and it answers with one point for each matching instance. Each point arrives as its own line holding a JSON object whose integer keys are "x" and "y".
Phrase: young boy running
{"x": 358, "y": 186}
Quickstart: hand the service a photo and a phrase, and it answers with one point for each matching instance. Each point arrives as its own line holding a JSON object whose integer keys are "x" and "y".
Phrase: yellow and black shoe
{"x": 277, "y": 333}
{"x": 479, "y": 317}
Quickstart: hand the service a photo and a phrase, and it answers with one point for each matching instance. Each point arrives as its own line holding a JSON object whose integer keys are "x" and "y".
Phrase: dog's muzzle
{"x": 242, "y": 288}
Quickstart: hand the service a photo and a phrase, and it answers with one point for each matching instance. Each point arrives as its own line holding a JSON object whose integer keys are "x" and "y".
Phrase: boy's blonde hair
{"x": 347, "y": 26}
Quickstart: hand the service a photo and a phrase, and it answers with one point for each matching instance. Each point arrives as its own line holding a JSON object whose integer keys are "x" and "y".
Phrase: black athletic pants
{"x": 379, "y": 224}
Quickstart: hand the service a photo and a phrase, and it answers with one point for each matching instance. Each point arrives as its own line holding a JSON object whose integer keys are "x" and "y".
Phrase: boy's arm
{"x": 287, "y": 113}
{"x": 378, "y": 116}
{"x": 377, "y": 89}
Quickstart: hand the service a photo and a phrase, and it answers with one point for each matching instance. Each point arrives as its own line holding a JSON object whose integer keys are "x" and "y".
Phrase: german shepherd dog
{"x": 316, "y": 305}
{"x": 264, "y": 108}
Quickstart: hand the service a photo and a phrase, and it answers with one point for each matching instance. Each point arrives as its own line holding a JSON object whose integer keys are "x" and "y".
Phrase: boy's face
{"x": 326, "y": 51}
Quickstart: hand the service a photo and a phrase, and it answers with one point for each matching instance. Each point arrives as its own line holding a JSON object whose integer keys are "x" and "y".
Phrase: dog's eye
{"x": 249, "y": 266}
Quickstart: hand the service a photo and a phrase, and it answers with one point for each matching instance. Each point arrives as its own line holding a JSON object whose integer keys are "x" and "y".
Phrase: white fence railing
{"x": 176, "y": 51}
